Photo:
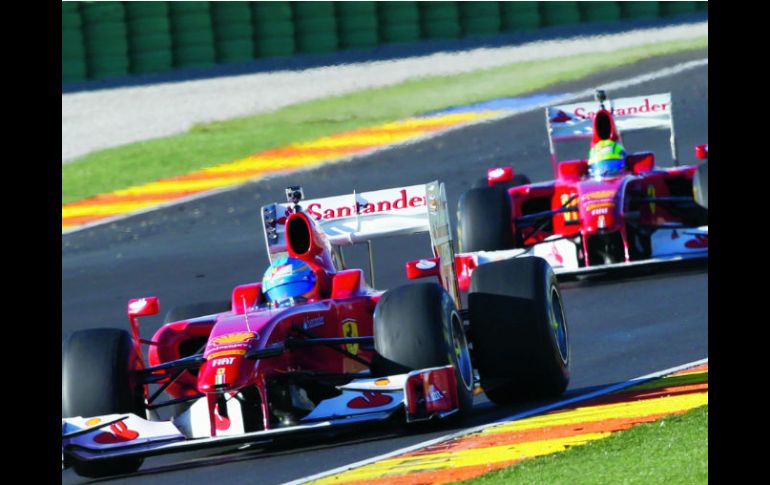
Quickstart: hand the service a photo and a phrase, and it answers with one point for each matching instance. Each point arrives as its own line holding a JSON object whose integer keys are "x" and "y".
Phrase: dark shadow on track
{"x": 657, "y": 271}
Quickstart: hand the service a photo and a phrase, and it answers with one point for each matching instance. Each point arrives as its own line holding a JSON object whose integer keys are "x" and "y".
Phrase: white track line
{"x": 620, "y": 84}
{"x": 514, "y": 417}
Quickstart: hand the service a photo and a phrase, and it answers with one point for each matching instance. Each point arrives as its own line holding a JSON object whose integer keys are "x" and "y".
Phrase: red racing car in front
{"x": 312, "y": 346}
{"x": 588, "y": 219}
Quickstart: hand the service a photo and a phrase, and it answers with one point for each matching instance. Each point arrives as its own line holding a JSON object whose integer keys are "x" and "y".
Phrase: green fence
{"x": 102, "y": 40}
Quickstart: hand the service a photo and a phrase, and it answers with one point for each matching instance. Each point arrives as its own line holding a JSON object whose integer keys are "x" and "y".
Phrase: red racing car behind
{"x": 591, "y": 217}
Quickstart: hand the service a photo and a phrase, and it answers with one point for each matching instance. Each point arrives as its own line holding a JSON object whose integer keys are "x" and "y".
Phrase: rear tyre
{"x": 416, "y": 327}
{"x": 98, "y": 378}
{"x": 484, "y": 220}
{"x": 519, "y": 330}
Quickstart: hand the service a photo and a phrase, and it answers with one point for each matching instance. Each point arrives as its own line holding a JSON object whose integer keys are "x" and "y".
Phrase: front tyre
{"x": 99, "y": 378}
{"x": 519, "y": 330}
{"x": 417, "y": 327}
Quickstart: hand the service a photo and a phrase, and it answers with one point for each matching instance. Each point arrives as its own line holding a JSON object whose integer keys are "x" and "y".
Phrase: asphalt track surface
{"x": 620, "y": 327}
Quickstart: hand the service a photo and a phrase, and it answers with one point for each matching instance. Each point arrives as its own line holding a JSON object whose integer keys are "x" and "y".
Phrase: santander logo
{"x": 369, "y": 207}
{"x": 645, "y": 107}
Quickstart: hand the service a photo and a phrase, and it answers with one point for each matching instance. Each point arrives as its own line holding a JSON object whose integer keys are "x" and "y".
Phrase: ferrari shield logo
{"x": 350, "y": 329}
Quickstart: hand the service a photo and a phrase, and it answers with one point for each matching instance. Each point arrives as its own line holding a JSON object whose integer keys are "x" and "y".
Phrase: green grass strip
{"x": 672, "y": 450}
{"x": 213, "y": 143}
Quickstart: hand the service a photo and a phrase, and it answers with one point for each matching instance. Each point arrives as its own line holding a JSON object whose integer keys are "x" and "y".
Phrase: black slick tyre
{"x": 518, "y": 330}
{"x": 98, "y": 378}
{"x": 484, "y": 220}
{"x": 417, "y": 327}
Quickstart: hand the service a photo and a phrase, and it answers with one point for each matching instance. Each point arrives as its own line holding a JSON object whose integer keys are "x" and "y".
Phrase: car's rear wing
{"x": 364, "y": 216}
{"x": 575, "y": 121}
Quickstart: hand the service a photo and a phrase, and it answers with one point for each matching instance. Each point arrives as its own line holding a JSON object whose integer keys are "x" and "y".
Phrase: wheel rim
{"x": 462, "y": 355}
{"x": 559, "y": 325}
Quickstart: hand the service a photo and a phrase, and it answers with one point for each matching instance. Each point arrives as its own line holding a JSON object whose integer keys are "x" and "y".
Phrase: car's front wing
{"x": 362, "y": 400}
{"x": 668, "y": 246}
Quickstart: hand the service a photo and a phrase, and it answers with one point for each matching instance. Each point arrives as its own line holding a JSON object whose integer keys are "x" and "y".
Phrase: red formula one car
{"x": 591, "y": 218}
{"x": 312, "y": 346}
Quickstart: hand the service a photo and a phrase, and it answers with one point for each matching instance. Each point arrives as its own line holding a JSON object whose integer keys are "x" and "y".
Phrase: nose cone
{"x": 603, "y": 220}
{"x": 225, "y": 373}
{"x": 226, "y": 367}
{"x": 599, "y": 207}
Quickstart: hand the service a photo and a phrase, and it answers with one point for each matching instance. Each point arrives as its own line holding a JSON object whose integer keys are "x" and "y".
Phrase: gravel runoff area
{"x": 107, "y": 118}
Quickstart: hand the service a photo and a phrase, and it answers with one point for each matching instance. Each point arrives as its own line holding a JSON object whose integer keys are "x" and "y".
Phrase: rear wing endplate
{"x": 362, "y": 217}
{"x": 575, "y": 121}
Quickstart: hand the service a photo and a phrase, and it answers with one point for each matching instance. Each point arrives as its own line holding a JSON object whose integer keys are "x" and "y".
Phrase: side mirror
{"x": 702, "y": 152}
{"x": 140, "y": 307}
{"x": 572, "y": 170}
{"x": 422, "y": 268}
{"x": 499, "y": 174}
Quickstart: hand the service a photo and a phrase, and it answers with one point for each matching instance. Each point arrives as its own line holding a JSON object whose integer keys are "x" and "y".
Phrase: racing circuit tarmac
{"x": 198, "y": 251}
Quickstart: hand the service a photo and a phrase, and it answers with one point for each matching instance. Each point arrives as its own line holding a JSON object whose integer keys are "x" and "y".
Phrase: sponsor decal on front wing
{"x": 370, "y": 399}
{"x": 118, "y": 433}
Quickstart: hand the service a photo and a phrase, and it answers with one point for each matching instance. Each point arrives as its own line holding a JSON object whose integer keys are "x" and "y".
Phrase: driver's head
{"x": 607, "y": 157}
{"x": 289, "y": 280}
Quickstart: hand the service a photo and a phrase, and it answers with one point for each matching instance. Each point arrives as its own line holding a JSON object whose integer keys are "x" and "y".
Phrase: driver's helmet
{"x": 606, "y": 158}
{"x": 289, "y": 280}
